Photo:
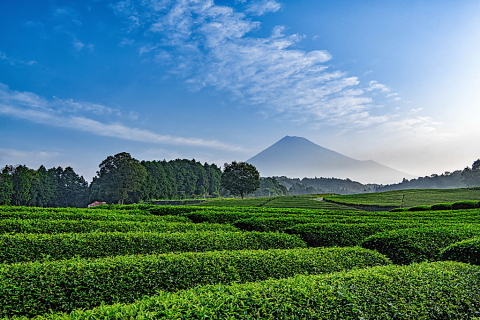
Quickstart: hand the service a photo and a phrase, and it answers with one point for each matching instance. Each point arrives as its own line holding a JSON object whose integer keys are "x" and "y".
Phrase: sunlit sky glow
{"x": 393, "y": 81}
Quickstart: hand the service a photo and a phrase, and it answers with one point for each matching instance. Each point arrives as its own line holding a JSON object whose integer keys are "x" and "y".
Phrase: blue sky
{"x": 393, "y": 81}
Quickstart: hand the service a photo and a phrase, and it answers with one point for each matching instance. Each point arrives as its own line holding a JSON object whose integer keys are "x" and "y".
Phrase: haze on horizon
{"x": 391, "y": 81}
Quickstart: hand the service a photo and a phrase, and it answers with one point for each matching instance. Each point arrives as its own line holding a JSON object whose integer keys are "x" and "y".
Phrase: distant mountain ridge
{"x": 297, "y": 157}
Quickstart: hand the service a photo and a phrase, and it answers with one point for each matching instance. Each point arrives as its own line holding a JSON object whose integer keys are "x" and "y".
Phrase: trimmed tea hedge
{"x": 442, "y": 206}
{"x": 272, "y": 224}
{"x": 441, "y": 290}
{"x": 464, "y": 251}
{"x": 83, "y": 226}
{"x": 86, "y": 214}
{"x": 217, "y": 216}
{"x": 418, "y": 244}
{"x": 32, "y": 288}
{"x": 338, "y": 234}
{"x": 467, "y": 204}
{"x": 31, "y": 247}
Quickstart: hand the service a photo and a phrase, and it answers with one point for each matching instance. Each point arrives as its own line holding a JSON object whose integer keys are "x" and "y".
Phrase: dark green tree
{"x": 120, "y": 175}
{"x": 22, "y": 184}
{"x": 6, "y": 185}
{"x": 43, "y": 188}
{"x": 471, "y": 177}
{"x": 240, "y": 178}
{"x": 269, "y": 187}
{"x": 72, "y": 189}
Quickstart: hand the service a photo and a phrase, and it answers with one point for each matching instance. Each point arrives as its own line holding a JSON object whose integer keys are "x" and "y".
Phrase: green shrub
{"x": 171, "y": 210}
{"x": 442, "y": 206}
{"x": 266, "y": 224}
{"x": 32, "y": 288}
{"x": 84, "y": 226}
{"x": 86, "y": 214}
{"x": 337, "y": 234}
{"x": 32, "y": 247}
{"x": 418, "y": 244}
{"x": 216, "y": 216}
{"x": 441, "y": 290}
{"x": 467, "y": 204}
{"x": 420, "y": 208}
{"x": 467, "y": 251}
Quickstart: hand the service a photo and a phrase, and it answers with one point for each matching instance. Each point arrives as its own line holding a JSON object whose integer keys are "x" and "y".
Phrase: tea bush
{"x": 33, "y": 288}
{"x": 418, "y": 244}
{"x": 83, "y": 226}
{"x": 440, "y": 290}
{"x": 32, "y": 247}
{"x": 338, "y": 234}
{"x": 464, "y": 251}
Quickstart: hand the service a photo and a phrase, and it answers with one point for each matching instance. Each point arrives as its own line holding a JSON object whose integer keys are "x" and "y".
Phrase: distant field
{"x": 408, "y": 198}
{"x": 303, "y": 201}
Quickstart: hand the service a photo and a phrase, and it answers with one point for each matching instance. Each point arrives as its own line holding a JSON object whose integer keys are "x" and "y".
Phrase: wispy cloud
{"x": 13, "y": 61}
{"x": 71, "y": 114}
{"x": 211, "y": 45}
{"x": 374, "y": 85}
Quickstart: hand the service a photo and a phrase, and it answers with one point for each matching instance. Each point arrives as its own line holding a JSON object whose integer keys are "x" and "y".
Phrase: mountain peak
{"x": 298, "y": 157}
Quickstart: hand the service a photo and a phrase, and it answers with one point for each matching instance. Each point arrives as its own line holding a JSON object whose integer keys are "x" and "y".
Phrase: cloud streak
{"x": 69, "y": 114}
{"x": 214, "y": 46}
{"x": 13, "y": 61}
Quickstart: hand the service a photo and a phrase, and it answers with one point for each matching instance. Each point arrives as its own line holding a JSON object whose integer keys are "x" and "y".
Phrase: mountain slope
{"x": 297, "y": 157}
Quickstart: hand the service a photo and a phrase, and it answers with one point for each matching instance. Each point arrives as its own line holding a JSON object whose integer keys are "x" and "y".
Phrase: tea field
{"x": 264, "y": 258}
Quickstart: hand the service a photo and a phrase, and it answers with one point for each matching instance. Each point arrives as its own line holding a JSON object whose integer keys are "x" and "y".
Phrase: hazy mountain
{"x": 297, "y": 157}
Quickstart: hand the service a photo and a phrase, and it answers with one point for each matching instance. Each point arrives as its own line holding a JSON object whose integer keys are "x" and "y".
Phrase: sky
{"x": 395, "y": 81}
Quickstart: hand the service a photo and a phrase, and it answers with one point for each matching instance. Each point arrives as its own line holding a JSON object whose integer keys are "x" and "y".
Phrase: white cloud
{"x": 259, "y": 8}
{"x": 13, "y": 61}
{"x": 64, "y": 113}
{"x": 214, "y": 46}
{"x": 374, "y": 85}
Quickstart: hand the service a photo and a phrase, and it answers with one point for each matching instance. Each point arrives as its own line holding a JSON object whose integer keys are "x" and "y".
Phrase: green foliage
{"x": 471, "y": 176}
{"x": 14, "y": 212}
{"x": 465, "y": 204}
{"x": 217, "y": 216}
{"x": 420, "y": 208}
{"x": 31, "y": 247}
{"x": 337, "y": 234}
{"x": 72, "y": 284}
{"x": 240, "y": 178}
{"x": 316, "y": 185}
{"x": 6, "y": 186}
{"x": 442, "y": 206}
{"x": 118, "y": 176}
{"x": 273, "y": 224}
{"x": 441, "y": 290}
{"x": 179, "y": 179}
{"x": 418, "y": 244}
{"x": 467, "y": 251}
{"x": 270, "y": 187}
{"x": 54, "y": 187}
{"x": 301, "y": 201}
{"x": 409, "y": 198}
{"x": 85, "y": 226}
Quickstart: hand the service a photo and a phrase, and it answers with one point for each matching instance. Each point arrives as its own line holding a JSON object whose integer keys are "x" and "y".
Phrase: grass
{"x": 301, "y": 201}
{"x": 409, "y": 198}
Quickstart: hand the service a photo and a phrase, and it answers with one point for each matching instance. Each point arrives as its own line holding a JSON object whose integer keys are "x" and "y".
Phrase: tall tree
{"x": 22, "y": 184}
{"x": 471, "y": 177}
{"x": 240, "y": 178}
{"x": 6, "y": 185}
{"x": 119, "y": 175}
{"x": 44, "y": 187}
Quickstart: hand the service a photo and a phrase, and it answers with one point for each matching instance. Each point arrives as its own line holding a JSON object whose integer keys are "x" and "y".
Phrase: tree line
{"x": 124, "y": 179}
